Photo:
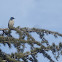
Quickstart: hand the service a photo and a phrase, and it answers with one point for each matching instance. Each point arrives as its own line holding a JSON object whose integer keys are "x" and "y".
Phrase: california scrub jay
{"x": 11, "y": 22}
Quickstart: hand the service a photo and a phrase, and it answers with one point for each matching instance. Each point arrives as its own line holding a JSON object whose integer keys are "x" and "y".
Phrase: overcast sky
{"x": 45, "y": 14}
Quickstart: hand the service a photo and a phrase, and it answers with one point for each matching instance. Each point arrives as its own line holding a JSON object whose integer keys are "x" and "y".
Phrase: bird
{"x": 11, "y": 22}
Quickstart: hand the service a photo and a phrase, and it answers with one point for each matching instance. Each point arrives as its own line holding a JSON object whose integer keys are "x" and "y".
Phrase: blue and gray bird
{"x": 11, "y": 22}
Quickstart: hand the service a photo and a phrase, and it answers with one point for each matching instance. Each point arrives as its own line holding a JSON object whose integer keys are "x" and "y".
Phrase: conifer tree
{"x": 25, "y": 37}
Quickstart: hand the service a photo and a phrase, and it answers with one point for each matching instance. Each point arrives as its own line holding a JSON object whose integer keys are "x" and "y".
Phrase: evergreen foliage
{"x": 25, "y": 37}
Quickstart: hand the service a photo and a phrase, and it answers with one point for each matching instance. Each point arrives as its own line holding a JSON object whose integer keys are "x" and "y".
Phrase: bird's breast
{"x": 11, "y": 23}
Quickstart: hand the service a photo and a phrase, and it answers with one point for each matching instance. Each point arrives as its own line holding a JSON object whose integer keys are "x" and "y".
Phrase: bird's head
{"x": 12, "y": 18}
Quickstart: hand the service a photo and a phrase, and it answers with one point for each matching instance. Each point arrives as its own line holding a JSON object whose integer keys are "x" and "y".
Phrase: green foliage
{"x": 25, "y": 37}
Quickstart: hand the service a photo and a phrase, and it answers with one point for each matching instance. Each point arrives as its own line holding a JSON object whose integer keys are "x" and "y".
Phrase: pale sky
{"x": 45, "y": 14}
